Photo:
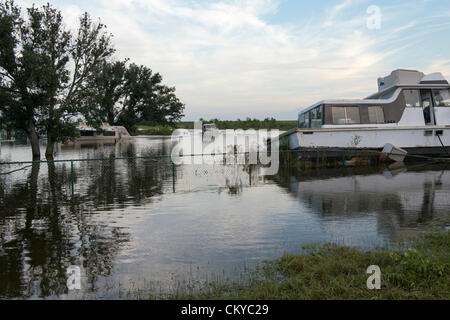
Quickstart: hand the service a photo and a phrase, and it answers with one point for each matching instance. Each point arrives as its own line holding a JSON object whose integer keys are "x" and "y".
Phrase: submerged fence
{"x": 106, "y": 179}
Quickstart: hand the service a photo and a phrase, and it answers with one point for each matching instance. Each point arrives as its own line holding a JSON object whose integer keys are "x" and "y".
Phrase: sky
{"x": 231, "y": 59}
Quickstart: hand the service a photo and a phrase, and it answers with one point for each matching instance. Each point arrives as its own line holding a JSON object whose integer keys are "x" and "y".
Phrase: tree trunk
{"x": 32, "y": 196}
{"x": 111, "y": 118}
{"x": 50, "y": 147}
{"x": 34, "y": 141}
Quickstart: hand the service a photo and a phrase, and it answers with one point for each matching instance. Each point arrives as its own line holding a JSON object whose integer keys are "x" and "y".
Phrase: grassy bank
{"x": 269, "y": 124}
{"x": 419, "y": 269}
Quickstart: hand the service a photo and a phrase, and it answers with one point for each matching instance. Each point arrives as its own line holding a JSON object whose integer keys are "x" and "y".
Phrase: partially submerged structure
{"x": 106, "y": 134}
{"x": 411, "y": 111}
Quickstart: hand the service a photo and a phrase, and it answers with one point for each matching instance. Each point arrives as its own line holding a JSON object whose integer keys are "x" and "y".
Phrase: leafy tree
{"x": 128, "y": 95}
{"x": 106, "y": 90}
{"x": 44, "y": 71}
{"x": 19, "y": 76}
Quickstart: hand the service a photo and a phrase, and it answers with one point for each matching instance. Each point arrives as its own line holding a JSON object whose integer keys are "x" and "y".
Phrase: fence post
{"x": 72, "y": 176}
{"x": 173, "y": 176}
{"x": 317, "y": 158}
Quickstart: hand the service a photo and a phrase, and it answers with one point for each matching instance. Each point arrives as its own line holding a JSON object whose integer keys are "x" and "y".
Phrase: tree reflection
{"x": 44, "y": 229}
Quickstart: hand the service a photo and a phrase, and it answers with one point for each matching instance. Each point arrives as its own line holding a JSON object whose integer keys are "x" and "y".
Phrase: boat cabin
{"x": 209, "y": 126}
{"x": 404, "y": 98}
{"x": 105, "y": 132}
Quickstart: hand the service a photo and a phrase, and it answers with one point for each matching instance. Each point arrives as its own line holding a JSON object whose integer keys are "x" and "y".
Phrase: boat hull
{"x": 419, "y": 141}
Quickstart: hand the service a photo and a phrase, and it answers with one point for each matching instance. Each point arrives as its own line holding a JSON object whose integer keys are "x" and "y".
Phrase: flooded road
{"x": 134, "y": 223}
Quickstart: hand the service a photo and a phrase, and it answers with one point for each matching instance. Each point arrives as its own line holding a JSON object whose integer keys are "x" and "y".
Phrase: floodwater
{"x": 131, "y": 224}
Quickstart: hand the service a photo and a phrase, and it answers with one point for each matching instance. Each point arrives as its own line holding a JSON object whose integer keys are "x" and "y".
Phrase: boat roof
{"x": 82, "y": 126}
{"x": 396, "y": 81}
{"x": 86, "y": 128}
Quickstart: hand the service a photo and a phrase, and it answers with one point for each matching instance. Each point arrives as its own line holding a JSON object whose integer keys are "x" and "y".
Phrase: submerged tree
{"x": 49, "y": 77}
{"x": 105, "y": 96}
{"x": 20, "y": 80}
{"x": 44, "y": 71}
{"x": 127, "y": 95}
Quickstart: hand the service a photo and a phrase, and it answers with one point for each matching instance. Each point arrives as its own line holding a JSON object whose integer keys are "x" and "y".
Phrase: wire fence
{"x": 117, "y": 179}
{"x": 139, "y": 177}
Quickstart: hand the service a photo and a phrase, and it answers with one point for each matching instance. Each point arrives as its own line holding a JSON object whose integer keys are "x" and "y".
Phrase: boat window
{"x": 109, "y": 133}
{"x": 345, "y": 115}
{"x": 303, "y": 121}
{"x": 387, "y": 95}
{"x": 376, "y": 114}
{"x": 209, "y": 126}
{"x": 427, "y": 107}
{"x": 86, "y": 133}
{"x": 412, "y": 98}
{"x": 441, "y": 98}
{"x": 316, "y": 117}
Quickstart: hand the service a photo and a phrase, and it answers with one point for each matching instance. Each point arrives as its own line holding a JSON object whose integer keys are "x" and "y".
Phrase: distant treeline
{"x": 149, "y": 128}
{"x": 268, "y": 123}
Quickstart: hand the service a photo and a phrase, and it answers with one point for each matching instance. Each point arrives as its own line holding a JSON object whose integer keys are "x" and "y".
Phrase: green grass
{"x": 419, "y": 269}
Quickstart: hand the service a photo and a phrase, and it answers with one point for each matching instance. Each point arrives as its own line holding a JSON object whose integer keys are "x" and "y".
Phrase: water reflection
{"x": 404, "y": 200}
{"x": 44, "y": 229}
{"x": 41, "y": 237}
{"x": 132, "y": 219}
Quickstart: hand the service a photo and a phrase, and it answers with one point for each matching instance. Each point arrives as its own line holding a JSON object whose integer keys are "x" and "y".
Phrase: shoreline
{"x": 411, "y": 270}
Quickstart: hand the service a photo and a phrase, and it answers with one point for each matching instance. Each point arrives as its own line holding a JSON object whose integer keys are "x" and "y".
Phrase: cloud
{"x": 226, "y": 56}
{"x": 338, "y": 9}
{"x": 226, "y": 60}
{"x": 441, "y": 65}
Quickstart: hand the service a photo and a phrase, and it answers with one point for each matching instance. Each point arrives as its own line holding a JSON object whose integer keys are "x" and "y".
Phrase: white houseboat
{"x": 411, "y": 111}
{"x": 106, "y": 134}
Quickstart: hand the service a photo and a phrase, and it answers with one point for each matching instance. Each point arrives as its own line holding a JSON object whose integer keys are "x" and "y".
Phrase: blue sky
{"x": 234, "y": 59}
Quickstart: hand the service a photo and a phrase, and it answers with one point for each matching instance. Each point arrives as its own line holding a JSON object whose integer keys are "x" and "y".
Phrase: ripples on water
{"x": 131, "y": 222}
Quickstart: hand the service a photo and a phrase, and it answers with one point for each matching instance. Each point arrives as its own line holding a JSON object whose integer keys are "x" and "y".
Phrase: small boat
{"x": 394, "y": 153}
{"x": 181, "y": 134}
{"x": 410, "y": 111}
{"x": 209, "y": 132}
